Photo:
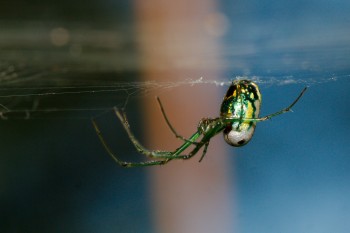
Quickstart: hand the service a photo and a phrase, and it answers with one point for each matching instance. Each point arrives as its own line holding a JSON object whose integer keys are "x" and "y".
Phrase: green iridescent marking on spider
{"x": 239, "y": 114}
{"x": 242, "y": 101}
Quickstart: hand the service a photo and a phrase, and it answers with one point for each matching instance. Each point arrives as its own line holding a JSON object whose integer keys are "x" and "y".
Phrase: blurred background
{"x": 63, "y": 63}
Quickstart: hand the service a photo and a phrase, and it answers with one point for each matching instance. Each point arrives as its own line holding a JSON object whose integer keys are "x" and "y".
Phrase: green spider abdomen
{"x": 241, "y": 102}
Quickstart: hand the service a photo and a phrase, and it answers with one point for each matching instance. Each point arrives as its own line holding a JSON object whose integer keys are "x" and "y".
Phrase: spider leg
{"x": 123, "y": 119}
{"x": 169, "y": 124}
{"x": 208, "y": 128}
{"x": 204, "y": 151}
{"x": 204, "y": 142}
{"x": 287, "y": 109}
{"x": 153, "y": 153}
{"x": 167, "y": 156}
{"x": 163, "y": 156}
{"x": 123, "y": 163}
{"x": 193, "y": 152}
{"x": 217, "y": 127}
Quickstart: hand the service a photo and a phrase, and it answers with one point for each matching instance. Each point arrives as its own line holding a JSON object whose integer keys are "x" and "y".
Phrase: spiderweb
{"x": 27, "y": 93}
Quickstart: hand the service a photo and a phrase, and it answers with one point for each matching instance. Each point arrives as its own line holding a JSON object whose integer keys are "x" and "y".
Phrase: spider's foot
{"x": 125, "y": 164}
{"x": 165, "y": 161}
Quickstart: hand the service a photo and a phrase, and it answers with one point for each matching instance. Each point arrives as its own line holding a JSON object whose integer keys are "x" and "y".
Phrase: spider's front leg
{"x": 208, "y": 128}
{"x": 170, "y": 125}
{"x": 162, "y": 155}
{"x": 120, "y": 162}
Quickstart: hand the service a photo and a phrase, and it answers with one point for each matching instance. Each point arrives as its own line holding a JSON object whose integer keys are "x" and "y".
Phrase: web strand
{"x": 127, "y": 90}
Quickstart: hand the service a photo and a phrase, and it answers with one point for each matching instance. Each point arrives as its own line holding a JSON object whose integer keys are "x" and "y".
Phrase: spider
{"x": 239, "y": 114}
